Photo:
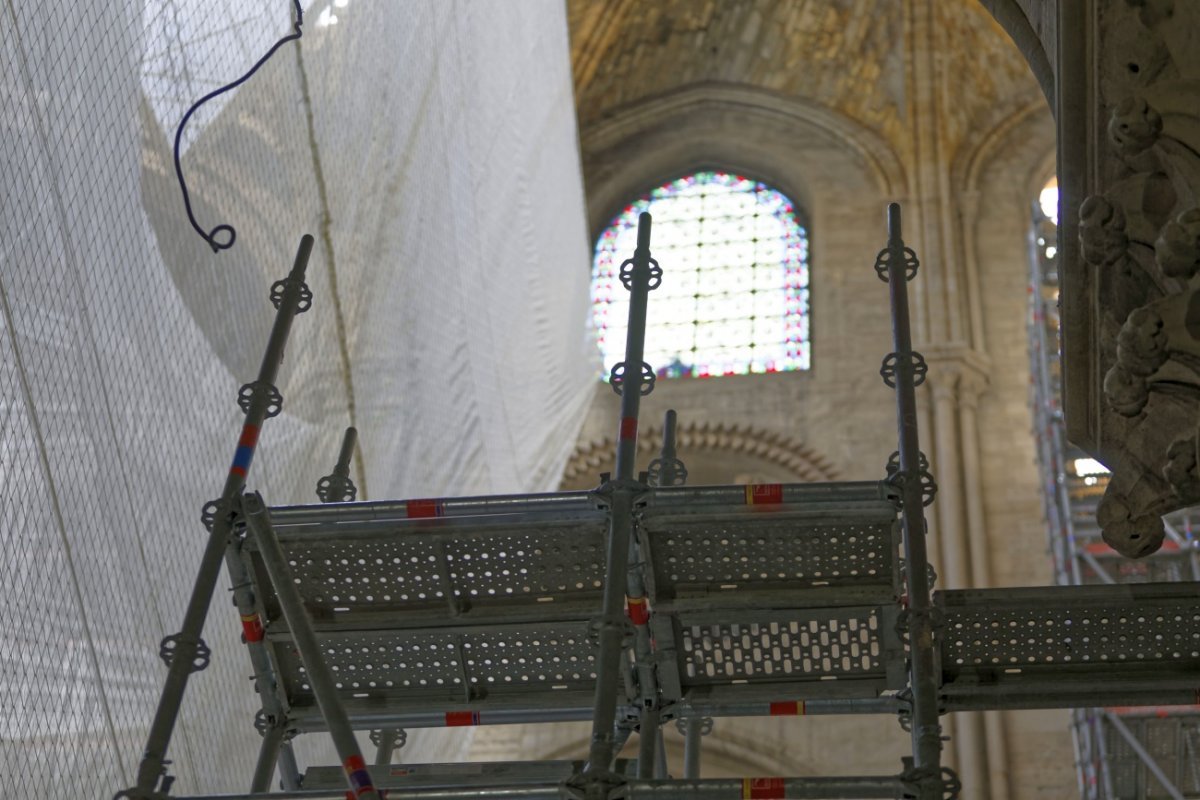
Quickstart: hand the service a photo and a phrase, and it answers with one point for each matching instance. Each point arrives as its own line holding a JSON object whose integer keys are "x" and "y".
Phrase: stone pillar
{"x": 949, "y": 331}
{"x": 969, "y": 743}
{"x": 947, "y": 471}
{"x": 972, "y": 384}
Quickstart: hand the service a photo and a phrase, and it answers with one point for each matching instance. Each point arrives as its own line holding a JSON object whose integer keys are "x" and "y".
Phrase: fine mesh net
{"x": 430, "y": 148}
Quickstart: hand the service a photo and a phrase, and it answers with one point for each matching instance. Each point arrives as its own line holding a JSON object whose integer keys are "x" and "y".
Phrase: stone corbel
{"x": 957, "y": 370}
{"x": 1139, "y": 234}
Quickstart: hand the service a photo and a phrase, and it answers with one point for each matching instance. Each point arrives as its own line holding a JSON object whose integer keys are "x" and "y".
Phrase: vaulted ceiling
{"x": 856, "y": 58}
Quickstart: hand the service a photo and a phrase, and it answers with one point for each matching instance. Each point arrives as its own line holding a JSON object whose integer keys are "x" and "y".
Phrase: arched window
{"x": 734, "y": 295}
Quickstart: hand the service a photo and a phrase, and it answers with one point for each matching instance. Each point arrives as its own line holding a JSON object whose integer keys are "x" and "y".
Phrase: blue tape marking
{"x": 242, "y": 457}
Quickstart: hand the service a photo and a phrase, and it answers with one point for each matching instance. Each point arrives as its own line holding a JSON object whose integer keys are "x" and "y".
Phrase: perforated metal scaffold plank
{"x": 431, "y": 614}
{"x": 790, "y": 596}
{"x": 1066, "y": 646}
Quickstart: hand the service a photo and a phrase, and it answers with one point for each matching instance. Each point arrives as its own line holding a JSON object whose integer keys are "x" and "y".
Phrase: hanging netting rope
{"x": 215, "y": 237}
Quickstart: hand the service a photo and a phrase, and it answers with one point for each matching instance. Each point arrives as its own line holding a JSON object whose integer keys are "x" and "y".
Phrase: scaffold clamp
{"x": 599, "y": 784}
{"x": 597, "y": 624}
{"x": 399, "y": 738}
{"x": 259, "y": 389}
{"x": 216, "y": 509}
{"x": 616, "y": 378}
{"x": 279, "y": 289}
{"x": 655, "y": 272}
{"x": 893, "y": 362}
{"x": 172, "y": 646}
{"x": 336, "y": 489}
{"x": 666, "y": 472}
{"x": 899, "y": 478}
{"x": 931, "y": 575}
{"x": 937, "y": 621}
{"x": 706, "y": 725}
{"x": 883, "y": 262}
{"x": 264, "y": 722}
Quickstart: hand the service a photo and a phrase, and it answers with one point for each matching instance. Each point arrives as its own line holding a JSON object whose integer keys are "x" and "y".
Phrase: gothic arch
{"x": 1006, "y": 133}
{"x": 703, "y": 126}
{"x": 592, "y": 457}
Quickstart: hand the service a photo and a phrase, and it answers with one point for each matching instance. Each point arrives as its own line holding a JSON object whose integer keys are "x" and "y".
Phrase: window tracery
{"x": 734, "y": 299}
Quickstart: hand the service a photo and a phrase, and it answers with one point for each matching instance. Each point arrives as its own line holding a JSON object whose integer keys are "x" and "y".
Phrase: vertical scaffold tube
{"x": 692, "y": 731}
{"x": 618, "y": 589}
{"x": 268, "y": 754}
{"x": 349, "y": 441}
{"x": 669, "y": 424}
{"x": 276, "y": 749}
{"x": 926, "y": 731}
{"x": 635, "y": 346}
{"x": 320, "y": 677}
{"x": 187, "y": 642}
{"x": 637, "y": 608}
{"x": 648, "y": 738}
{"x": 386, "y": 747}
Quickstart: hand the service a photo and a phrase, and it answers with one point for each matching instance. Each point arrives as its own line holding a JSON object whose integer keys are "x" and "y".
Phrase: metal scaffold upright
{"x": 642, "y": 603}
{"x": 904, "y": 369}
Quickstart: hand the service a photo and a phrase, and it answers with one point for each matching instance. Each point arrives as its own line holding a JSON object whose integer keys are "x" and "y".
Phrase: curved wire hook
{"x": 211, "y": 236}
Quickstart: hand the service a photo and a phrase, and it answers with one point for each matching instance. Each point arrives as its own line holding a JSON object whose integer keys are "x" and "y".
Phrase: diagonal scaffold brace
{"x": 258, "y": 520}
{"x": 185, "y": 652}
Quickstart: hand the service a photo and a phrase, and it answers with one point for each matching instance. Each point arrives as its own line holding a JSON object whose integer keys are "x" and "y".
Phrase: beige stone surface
{"x": 845, "y": 106}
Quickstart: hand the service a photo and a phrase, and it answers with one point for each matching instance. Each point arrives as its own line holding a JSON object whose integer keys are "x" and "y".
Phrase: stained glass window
{"x": 734, "y": 295}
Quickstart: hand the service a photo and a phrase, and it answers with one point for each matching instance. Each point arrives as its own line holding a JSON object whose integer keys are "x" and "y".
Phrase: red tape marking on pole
{"x": 249, "y": 436}
{"x": 764, "y": 494}
{"x": 424, "y": 508}
{"x": 252, "y": 627}
{"x": 792, "y": 708}
{"x": 637, "y": 610}
{"x": 629, "y": 427}
{"x": 360, "y": 779}
{"x": 458, "y": 719}
{"x": 762, "y": 789}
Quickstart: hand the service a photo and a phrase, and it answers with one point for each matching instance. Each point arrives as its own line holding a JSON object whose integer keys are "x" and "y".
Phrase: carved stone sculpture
{"x": 1136, "y": 405}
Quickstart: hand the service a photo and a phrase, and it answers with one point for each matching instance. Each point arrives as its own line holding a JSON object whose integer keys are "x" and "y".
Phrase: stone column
{"x": 952, "y": 535}
{"x": 947, "y": 471}
{"x": 972, "y": 384}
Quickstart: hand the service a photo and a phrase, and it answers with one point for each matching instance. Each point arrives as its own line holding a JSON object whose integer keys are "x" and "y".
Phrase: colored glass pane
{"x": 734, "y": 295}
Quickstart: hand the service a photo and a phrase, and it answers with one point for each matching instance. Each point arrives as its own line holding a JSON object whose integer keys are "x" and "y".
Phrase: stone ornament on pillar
{"x": 971, "y": 386}
{"x": 1139, "y": 236}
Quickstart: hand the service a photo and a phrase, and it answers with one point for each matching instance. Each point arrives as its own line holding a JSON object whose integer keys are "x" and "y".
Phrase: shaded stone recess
{"x": 1131, "y": 299}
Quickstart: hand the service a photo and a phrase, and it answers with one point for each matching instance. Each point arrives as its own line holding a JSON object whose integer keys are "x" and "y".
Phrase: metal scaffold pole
{"x": 807, "y": 788}
{"x": 185, "y": 652}
{"x": 904, "y": 369}
{"x": 624, "y": 587}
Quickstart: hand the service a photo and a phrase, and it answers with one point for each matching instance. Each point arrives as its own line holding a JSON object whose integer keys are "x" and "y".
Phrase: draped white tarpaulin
{"x": 430, "y": 147}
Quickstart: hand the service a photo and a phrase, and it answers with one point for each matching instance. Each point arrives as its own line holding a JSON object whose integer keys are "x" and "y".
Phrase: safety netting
{"x": 430, "y": 148}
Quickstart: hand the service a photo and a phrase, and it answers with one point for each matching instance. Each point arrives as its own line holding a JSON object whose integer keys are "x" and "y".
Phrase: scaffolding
{"x": 1123, "y": 751}
{"x": 641, "y": 603}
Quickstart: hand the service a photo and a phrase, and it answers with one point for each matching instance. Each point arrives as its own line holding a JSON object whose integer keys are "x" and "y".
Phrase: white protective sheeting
{"x": 430, "y": 147}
